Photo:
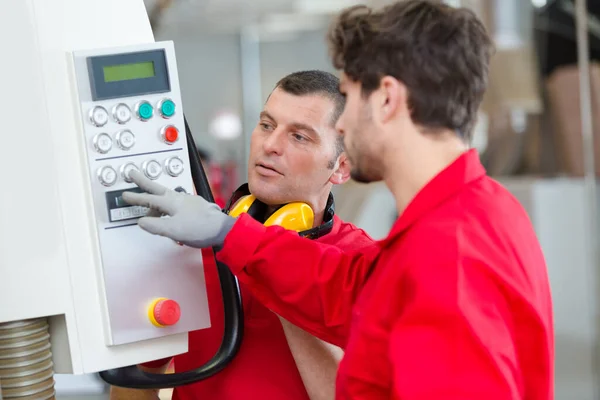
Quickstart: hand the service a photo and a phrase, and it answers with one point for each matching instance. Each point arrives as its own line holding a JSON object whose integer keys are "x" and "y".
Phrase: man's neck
{"x": 319, "y": 217}
{"x": 407, "y": 175}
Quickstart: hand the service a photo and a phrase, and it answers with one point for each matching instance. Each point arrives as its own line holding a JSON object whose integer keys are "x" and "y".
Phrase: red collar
{"x": 337, "y": 223}
{"x": 464, "y": 170}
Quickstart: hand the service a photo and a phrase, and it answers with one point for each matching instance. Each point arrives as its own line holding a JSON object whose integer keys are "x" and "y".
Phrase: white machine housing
{"x": 69, "y": 249}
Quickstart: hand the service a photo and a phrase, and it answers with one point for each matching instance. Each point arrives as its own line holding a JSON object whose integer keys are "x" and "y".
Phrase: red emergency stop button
{"x": 164, "y": 312}
{"x": 169, "y": 134}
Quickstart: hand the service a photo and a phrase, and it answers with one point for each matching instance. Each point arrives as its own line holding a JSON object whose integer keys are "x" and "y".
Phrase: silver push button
{"x": 121, "y": 113}
{"x": 98, "y": 116}
{"x": 174, "y": 166}
{"x": 102, "y": 143}
{"x": 125, "y": 140}
{"x": 107, "y": 176}
{"x": 152, "y": 169}
{"x": 126, "y": 169}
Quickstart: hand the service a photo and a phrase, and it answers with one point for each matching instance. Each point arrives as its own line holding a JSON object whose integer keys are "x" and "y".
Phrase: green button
{"x": 145, "y": 111}
{"x": 167, "y": 108}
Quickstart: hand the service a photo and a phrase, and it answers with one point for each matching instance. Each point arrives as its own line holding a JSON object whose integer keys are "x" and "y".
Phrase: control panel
{"x": 132, "y": 119}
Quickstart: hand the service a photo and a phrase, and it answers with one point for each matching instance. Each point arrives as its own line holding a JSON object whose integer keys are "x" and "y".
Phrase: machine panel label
{"x": 119, "y": 210}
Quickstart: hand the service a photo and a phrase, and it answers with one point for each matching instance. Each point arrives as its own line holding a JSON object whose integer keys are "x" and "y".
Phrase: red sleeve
{"x": 311, "y": 284}
{"x": 454, "y": 339}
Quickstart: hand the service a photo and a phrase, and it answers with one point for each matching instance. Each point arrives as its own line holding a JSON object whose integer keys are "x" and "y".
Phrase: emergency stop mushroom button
{"x": 164, "y": 312}
{"x": 107, "y": 176}
{"x": 169, "y": 134}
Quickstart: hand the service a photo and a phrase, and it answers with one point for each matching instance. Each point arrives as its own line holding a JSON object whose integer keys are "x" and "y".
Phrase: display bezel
{"x": 102, "y": 90}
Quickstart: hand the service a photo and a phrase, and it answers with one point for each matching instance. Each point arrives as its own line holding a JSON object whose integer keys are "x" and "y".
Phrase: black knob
{"x": 180, "y": 189}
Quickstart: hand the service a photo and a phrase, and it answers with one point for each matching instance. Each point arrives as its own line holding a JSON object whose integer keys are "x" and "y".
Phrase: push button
{"x": 164, "y": 312}
{"x": 169, "y": 134}
{"x": 98, "y": 116}
{"x": 102, "y": 143}
{"x": 125, "y": 140}
{"x": 107, "y": 176}
{"x": 121, "y": 113}
{"x": 167, "y": 108}
{"x": 144, "y": 110}
{"x": 126, "y": 169}
{"x": 152, "y": 169}
{"x": 174, "y": 166}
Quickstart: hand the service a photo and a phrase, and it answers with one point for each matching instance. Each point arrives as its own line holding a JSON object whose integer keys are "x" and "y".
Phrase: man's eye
{"x": 266, "y": 127}
{"x": 298, "y": 137}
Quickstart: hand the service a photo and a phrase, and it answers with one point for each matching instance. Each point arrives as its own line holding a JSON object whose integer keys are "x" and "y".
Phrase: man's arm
{"x": 312, "y": 285}
{"x": 317, "y": 361}
{"x": 119, "y": 393}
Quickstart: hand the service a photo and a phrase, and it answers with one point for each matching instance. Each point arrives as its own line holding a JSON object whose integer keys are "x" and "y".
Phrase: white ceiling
{"x": 270, "y": 16}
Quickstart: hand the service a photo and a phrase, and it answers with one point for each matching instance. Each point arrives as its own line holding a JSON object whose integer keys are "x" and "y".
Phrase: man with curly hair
{"x": 455, "y": 303}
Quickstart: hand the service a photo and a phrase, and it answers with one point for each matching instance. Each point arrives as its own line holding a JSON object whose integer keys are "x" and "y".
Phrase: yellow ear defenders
{"x": 296, "y": 216}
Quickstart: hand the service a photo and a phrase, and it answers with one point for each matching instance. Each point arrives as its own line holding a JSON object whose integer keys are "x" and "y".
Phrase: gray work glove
{"x": 185, "y": 218}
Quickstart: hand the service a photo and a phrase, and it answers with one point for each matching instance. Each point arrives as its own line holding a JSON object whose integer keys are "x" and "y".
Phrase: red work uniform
{"x": 453, "y": 304}
{"x": 264, "y": 368}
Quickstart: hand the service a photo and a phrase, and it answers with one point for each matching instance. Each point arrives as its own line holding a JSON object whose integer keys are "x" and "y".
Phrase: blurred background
{"x": 230, "y": 54}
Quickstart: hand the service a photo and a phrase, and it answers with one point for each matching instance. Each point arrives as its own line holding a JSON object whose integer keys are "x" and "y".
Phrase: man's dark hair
{"x": 439, "y": 52}
{"x": 321, "y": 83}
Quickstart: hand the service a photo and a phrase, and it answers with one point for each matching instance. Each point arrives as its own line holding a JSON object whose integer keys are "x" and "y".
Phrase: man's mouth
{"x": 267, "y": 169}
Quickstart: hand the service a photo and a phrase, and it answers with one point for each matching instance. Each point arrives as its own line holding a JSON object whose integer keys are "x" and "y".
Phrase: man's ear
{"x": 341, "y": 172}
{"x": 390, "y": 99}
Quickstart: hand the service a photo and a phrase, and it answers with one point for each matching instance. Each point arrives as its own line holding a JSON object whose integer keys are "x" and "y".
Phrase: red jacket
{"x": 264, "y": 368}
{"x": 453, "y": 304}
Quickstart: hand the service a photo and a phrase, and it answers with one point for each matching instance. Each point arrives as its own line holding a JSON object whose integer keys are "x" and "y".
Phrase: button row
{"x": 108, "y": 175}
{"x": 121, "y": 112}
{"x": 103, "y": 142}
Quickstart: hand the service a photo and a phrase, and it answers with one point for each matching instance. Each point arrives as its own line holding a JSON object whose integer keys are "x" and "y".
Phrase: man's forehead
{"x": 281, "y": 116}
{"x": 313, "y": 107}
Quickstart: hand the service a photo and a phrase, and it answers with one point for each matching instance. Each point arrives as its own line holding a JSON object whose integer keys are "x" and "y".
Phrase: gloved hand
{"x": 190, "y": 220}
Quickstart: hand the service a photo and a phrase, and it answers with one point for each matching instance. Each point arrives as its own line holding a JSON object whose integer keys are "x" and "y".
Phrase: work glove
{"x": 185, "y": 218}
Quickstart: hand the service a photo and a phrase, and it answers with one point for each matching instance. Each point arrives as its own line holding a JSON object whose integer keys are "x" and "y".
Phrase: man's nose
{"x": 274, "y": 142}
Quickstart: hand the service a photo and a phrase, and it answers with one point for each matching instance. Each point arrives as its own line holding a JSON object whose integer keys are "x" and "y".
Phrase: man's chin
{"x": 257, "y": 182}
{"x": 259, "y": 179}
{"x": 263, "y": 193}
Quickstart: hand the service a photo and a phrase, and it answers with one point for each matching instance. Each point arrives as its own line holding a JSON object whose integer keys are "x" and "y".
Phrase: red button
{"x": 167, "y": 312}
{"x": 171, "y": 134}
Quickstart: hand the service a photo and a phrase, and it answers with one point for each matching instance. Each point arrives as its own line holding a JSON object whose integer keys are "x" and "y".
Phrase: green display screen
{"x": 126, "y": 72}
